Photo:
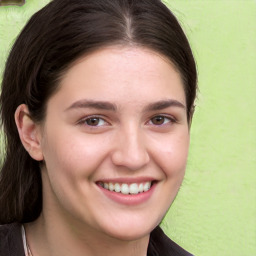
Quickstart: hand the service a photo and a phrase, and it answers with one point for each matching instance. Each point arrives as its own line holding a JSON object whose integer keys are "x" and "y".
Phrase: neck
{"x": 65, "y": 240}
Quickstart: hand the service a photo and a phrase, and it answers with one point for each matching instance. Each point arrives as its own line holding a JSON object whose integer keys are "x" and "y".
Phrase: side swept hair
{"x": 53, "y": 39}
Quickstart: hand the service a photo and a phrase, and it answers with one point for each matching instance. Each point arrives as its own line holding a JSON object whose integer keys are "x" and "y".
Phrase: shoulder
{"x": 160, "y": 244}
{"x": 11, "y": 240}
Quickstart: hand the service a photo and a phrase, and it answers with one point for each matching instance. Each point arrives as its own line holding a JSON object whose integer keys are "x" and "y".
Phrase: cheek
{"x": 172, "y": 155}
{"x": 71, "y": 163}
{"x": 73, "y": 155}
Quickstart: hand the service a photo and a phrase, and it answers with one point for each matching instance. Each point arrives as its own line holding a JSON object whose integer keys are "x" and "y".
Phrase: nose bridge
{"x": 130, "y": 151}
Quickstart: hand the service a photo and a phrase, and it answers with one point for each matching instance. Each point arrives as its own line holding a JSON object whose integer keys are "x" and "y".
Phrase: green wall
{"x": 215, "y": 211}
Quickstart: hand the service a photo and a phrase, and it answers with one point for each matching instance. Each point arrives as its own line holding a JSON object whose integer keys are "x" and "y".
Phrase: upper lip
{"x": 127, "y": 180}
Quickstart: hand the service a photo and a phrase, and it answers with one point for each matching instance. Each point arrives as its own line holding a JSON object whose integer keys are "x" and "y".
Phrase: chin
{"x": 130, "y": 231}
{"x": 131, "y": 235}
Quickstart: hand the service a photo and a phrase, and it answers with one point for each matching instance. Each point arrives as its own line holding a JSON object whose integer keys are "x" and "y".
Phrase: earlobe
{"x": 29, "y": 132}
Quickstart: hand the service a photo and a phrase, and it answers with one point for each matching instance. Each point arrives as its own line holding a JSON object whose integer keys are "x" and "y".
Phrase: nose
{"x": 130, "y": 150}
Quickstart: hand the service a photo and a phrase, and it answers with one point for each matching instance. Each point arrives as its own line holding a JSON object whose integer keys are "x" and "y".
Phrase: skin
{"x": 123, "y": 141}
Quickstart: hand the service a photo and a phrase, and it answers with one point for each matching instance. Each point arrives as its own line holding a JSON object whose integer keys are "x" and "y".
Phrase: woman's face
{"x": 118, "y": 122}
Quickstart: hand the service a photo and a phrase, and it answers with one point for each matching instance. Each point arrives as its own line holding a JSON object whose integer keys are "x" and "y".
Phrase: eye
{"x": 93, "y": 121}
{"x": 161, "y": 120}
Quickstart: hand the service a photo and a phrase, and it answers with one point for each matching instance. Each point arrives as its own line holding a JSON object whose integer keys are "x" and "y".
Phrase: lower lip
{"x": 129, "y": 199}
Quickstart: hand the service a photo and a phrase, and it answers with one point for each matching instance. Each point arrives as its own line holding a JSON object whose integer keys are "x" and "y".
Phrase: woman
{"x": 102, "y": 94}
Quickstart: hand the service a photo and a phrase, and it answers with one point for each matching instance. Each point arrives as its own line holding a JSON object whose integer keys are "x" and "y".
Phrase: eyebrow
{"x": 104, "y": 105}
{"x": 162, "y": 104}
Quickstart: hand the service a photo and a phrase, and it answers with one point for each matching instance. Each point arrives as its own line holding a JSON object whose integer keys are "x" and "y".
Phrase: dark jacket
{"x": 159, "y": 244}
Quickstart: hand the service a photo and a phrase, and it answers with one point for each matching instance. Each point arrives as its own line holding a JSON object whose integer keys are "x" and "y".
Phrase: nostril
{"x": 130, "y": 150}
{"x": 130, "y": 160}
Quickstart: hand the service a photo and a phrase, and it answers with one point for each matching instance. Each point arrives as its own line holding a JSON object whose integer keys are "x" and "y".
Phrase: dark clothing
{"x": 162, "y": 245}
{"x": 159, "y": 245}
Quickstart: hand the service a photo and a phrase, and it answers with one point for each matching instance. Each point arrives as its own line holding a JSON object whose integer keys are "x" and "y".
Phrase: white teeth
{"x": 147, "y": 186}
{"x": 110, "y": 187}
{"x": 141, "y": 187}
{"x": 134, "y": 189}
{"x": 117, "y": 188}
{"x": 124, "y": 188}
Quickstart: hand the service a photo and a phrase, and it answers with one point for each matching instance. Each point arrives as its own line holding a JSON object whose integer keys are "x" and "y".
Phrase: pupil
{"x": 93, "y": 121}
{"x": 158, "y": 120}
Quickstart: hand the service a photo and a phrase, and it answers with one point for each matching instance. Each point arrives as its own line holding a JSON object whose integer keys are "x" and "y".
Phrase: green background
{"x": 215, "y": 211}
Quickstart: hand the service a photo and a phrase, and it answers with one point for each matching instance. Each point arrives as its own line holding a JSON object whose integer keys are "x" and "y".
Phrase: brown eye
{"x": 94, "y": 121}
{"x": 160, "y": 120}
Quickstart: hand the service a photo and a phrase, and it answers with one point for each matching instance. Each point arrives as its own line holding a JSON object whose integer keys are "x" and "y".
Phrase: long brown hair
{"x": 52, "y": 40}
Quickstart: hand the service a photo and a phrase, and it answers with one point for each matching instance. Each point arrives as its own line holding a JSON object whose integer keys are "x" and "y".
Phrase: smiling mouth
{"x": 127, "y": 189}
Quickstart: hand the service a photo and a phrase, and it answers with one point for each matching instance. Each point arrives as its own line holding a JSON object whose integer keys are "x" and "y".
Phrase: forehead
{"x": 122, "y": 74}
{"x": 133, "y": 57}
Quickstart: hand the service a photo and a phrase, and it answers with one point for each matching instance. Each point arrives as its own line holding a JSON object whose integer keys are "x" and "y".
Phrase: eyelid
{"x": 82, "y": 121}
{"x": 167, "y": 116}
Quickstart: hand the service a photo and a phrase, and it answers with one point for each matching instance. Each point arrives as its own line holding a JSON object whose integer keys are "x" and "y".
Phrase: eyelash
{"x": 168, "y": 120}
{"x": 88, "y": 118}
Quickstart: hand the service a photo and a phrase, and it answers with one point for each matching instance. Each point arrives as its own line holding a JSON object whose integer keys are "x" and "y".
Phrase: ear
{"x": 29, "y": 131}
